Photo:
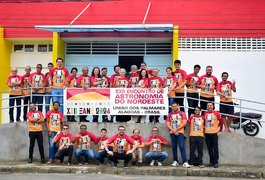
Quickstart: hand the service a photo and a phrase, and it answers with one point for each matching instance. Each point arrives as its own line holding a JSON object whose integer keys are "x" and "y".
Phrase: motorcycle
{"x": 249, "y": 127}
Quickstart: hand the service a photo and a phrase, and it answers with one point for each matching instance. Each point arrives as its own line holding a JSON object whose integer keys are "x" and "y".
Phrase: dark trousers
{"x": 82, "y": 118}
{"x": 101, "y": 155}
{"x": 212, "y": 146}
{"x": 180, "y": 100}
{"x": 11, "y": 107}
{"x": 196, "y": 142}
{"x": 192, "y": 103}
{"x": 32, "y": 137}
{"x": 154, "y": 119}
{"x": 26, "y": 101}
{"x": 37, "y": 98}
{"x": 65, "y": 152}
{"x": 204, "y": 101}
{"x": 122, "y": 118}
{"x": 123, "y": 156}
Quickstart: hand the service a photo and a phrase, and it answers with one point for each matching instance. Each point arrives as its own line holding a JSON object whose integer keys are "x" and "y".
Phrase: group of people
{"x": 122, "y": 146}
{"x": 51, "y": 86}
{"x": 205, "y": 122}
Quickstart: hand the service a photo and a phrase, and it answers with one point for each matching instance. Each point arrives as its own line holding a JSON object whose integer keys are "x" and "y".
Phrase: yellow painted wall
{"x": 58, "y": 47}
{"x": 175, "y": 45}
{"x": 5, "y": 51}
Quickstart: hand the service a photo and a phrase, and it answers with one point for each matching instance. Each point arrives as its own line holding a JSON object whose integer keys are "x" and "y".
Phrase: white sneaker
{"x": 174, "y": 164}
{"x": 152, "y": 163}
{"x": 131, "y": 121}
{"x": 159, "y": 163}
{"x": 186, "y": 165}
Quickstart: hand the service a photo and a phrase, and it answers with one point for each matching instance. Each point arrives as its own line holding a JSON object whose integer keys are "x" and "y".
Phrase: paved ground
{"x": 96, "y": 176}
{"x": 37, "y": 170}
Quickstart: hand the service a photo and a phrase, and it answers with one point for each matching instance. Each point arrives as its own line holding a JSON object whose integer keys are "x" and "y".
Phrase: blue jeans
{"x": 48, "y": 98}
{"x": 57, "y": 95}
{"x": 89, "y": 154}
{"x": 175, "y": 141}
{"x": 52, "y": 147}
{"x": 101, "y": 155}
{"x": 159, "y": 156}
{"x": 170, "y": 102}
{"x": 37, "y": 98}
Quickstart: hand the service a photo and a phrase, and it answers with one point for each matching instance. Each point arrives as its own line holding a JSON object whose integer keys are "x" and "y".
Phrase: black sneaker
{"x": 125, "y": 165}
{"x": 215, "y": 165}
{"x": 30, "y": 160}
{"x": 140, "y": 164}
{"x": 18, "y": 120}
{"x": 11, "y": 120}
{"x": 210, "y": 165}
{"x": 134, "y": 163}
{"x": 110, "y": 163}
{"x": 42, "y": 161}
{"x": 115, "y": 164}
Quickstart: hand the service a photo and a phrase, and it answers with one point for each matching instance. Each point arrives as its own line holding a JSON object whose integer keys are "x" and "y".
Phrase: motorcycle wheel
{"x": 251, "y": 129}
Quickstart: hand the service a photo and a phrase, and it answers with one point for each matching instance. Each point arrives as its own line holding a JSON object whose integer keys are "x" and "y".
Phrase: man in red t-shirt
{"x": 66, "y": 148}
{"x": 37, "y": 81}
{"x": 121, "y": 147}
{"x": 224, "y": 89}
{"x": 155, "y": 143}
{"x": 192, "y": 90}
{"x": 139, "y": 151}
{"x": 155, "y": 82}
{"x": 35, "y": 131}
{"x": 26, "y": 91}
{"x": 134, "y": 76}
{"x": 181, "y": 76}
{"x": 207, "y": 83}
{"x": 83, "y": 146}
{"x": 213, "y": 128}
{"x": 113, "y": 78}
{"x": 102, "y": 153}
{"x": 58, "y": 81}
{"x": 176, "y": 121}
{"x": 55, "y": 120}
{"x": 14, "y": 83}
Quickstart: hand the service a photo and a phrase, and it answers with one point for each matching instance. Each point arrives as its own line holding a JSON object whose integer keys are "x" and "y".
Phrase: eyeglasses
{"x": 65, "y": 128}
{"x": 155, "y": 130}
{"x": 121, "y": 129}
{"x": 39, "y": 67}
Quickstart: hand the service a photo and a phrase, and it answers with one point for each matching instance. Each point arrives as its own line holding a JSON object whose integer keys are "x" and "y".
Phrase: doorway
{"x": 127, "y": 61}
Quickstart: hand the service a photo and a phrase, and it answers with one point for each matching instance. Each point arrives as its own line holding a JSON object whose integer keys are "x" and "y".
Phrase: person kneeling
{"x": 155, "y": 143}
{"x": 66, "y": 147}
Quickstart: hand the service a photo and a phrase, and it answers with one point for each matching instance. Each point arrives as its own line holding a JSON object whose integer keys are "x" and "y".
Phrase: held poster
{"x": 115, "y": 101}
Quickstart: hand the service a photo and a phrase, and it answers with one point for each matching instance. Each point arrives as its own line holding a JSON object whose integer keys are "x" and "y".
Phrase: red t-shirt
{"x": 47, "y": 89}
{"x": 38, "y": 80}
{"x": 181, "y": 76}
{"x": 54, "y": 120}
{"x": 64, "y": 139}
{"x": 123, "y": 82}
{"x": 25, "y": 84}
{"x": 113, "y": 79}
{"x": 155, "y": 146}
{"x": 134, "y": 78}
{"x": 106, "y": 82}
{"x": 83, "y": 142}
{"x": 155, "y": 82}
{"x": 59, "y": 77}
{"x": 168, "y": 82}
{"x": 73, "y": 81}
{"x": 15, "y": 90}
{"x": 192, "y": 79}
{"x": 121, "y": 144}
{"x": 196, "y": 125}
{"x": 210, "y": 83}
{"x": 212, "y": 120}
{"x": 143, "y": 83}
{"x": 35, "y": 126}
{"x": 225, "y": 88}
{"x": 100, "y": 143}
{"x": 176, "y": 119}
{"x": 139, "y": 139}
{"x": 84, "y": 81}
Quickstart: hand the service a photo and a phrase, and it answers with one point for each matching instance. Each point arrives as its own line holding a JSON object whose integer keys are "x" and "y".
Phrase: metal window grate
{"x": 121, "y": 48}
{"x": 222, "y": 44}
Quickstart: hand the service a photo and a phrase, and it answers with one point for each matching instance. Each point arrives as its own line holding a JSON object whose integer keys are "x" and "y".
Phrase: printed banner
{"x": 115, "y": 101}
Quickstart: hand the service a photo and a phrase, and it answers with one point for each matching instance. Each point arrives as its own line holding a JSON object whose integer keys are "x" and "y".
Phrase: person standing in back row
{"x": 26, "y": 91}
{"x": 208, "y": 83}
{"x": 181, "y": 77}
{"x": 58, "y": 81}
{"x": 192, "y": 90}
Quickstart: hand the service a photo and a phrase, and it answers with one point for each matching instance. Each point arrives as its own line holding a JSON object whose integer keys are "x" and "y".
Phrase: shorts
{"x": 227, "y": 109}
